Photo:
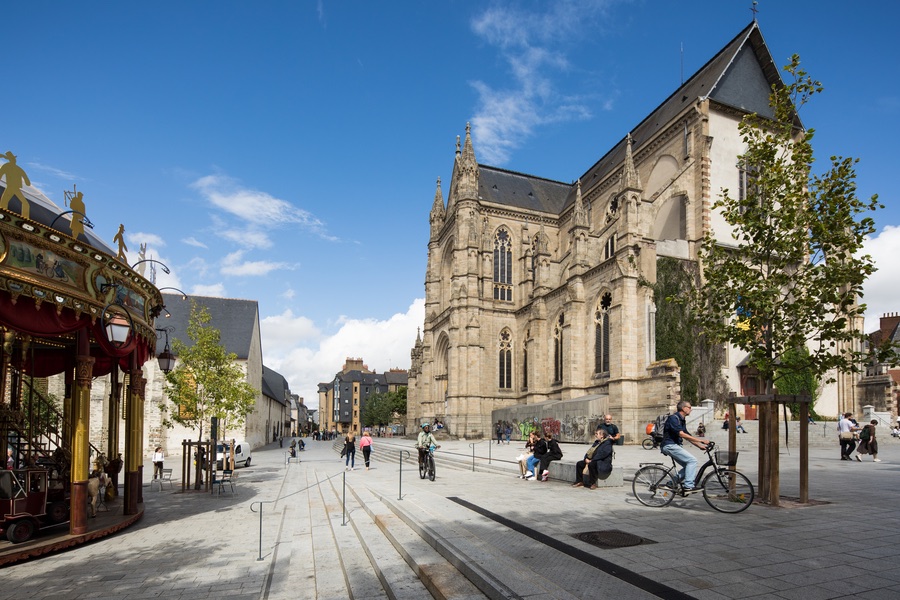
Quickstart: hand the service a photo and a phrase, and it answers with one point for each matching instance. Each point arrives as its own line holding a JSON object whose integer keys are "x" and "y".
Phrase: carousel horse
{"x": 97, "y": 484}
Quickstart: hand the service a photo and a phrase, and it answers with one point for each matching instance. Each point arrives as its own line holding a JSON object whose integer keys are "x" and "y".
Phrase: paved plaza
{"x": 330, "y": 533}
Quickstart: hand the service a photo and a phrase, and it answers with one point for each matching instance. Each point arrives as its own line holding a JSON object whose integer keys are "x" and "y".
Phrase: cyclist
{"x": 674, "y": 432}
{"x": 424, "y": 442}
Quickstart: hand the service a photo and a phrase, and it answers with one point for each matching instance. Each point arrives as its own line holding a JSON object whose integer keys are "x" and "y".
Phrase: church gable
{"x": 744, "y": 85}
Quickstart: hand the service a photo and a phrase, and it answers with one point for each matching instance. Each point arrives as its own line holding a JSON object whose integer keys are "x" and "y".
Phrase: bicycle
{"x": 725, "y": 489}
{"x": 650, "y": 443}
{"x": 426, "y": 465}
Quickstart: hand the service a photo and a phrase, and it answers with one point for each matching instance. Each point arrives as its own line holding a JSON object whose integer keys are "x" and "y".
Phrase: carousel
{"x": 70, "y": 308}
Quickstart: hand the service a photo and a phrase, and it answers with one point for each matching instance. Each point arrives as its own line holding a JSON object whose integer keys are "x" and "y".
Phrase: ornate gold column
{"x": 81, "y": 415}
{"x": 134, "y": 461}
{"x": 112, "y": 419}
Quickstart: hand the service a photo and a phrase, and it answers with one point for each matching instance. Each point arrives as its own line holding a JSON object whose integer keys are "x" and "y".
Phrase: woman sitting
{"x": 553, "y": 453}
{"x": 529, "y": 452}
{"x": 597, "y": 461}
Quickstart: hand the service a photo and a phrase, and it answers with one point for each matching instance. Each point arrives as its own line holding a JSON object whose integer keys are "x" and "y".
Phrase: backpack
{"x": 865, "y": 433}
{"x": 659, "y": 427}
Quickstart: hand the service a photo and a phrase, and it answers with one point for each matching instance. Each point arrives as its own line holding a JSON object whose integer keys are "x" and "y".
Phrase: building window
{"x": 558, "y": 350}
{"x": 601, "y": 335}
{"x": 503, "y": 266}
{"x": 524, "y": 368}
{"x": 748, "y": 189}
{"x": 505, "y": 360}
{"x": 609, "y": 250}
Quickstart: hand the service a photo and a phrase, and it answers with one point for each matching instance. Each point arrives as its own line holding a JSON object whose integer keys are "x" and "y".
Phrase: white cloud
{"x": 506, "y": 118}
{"x": 151, "y": 239}
{"x": 249, "y": 237}
{"x": 311, "y": 359}
{"x": 233, "y": 264}
{"x": 288, "y": 294}
{"x": 255, "y": 206}
{"x": 880, "y": 290}
{"x": 216, "y": 290}
{"x": 192, "y": 241}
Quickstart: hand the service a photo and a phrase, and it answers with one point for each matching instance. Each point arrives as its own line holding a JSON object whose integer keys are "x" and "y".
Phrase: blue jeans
{"x": 684, "y": 458}
{"x": 532, "y": 463}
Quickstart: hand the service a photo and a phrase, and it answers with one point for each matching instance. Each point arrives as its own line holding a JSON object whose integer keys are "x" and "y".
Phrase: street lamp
{"x": 166, "y": 359}
{"x": 152, "y": 260}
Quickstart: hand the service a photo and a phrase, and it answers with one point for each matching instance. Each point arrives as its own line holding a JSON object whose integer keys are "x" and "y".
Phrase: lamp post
{"x": 166, "y": 359}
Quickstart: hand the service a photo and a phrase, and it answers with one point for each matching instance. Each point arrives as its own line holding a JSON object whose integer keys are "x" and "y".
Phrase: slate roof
{"x": 235, "y": 319}
{"x": 397, "y": 377}
{"x": 275, "y": 386}
{"x": 740, "y": 76}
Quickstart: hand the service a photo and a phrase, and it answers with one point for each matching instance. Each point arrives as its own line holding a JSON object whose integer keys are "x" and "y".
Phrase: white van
{"x": 241, "y": 453}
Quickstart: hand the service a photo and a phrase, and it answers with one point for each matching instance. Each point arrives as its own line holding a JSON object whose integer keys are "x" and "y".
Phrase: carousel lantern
{"x": 117, "y": 330}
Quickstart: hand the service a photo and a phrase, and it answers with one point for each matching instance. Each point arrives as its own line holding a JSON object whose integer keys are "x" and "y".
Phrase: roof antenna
{"x": 754, "y": 10}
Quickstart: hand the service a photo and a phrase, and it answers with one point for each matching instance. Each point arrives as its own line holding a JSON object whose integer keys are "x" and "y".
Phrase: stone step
{"x": 440, "y": 577}
{"x": 469, "y": 542}
{"x": 396, "y": 579}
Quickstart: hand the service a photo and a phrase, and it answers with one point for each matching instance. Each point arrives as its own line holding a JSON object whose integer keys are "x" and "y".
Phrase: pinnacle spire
{"x": 438, "y": 206}
{"x": 580, "y": 215}
{"x": 630, "y": 179}
{"x": 466, "y": 168}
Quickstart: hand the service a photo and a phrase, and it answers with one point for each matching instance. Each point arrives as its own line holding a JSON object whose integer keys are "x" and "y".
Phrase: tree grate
{"x": 611, "y": 538}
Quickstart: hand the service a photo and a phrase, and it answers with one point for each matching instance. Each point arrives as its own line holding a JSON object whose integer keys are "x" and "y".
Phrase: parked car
{"x": 241, "y": 454}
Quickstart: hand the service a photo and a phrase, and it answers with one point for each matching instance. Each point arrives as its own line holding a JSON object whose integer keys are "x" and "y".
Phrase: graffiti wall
{"x": 566, "y": 420}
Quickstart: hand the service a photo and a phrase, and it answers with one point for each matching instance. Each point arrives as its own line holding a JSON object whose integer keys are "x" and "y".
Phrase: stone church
{"x": 533, "y": 287}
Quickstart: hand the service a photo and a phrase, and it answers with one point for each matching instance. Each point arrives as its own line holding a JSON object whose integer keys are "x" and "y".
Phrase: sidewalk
{"x": 193, "y": 545}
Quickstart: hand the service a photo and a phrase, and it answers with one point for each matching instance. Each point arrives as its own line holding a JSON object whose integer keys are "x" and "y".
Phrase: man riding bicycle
{"x": 425, "y": 441}
{"x": 674, "y": 432}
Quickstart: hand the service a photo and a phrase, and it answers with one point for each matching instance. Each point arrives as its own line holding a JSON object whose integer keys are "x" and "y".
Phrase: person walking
{"x": 158, "y": 457}
{"x": 867, "y": 442}
{"x": 498, "y": 431}
{"x": 365, "y": 443}
{"x": 350, "y": 451}
{"x": 846, "y": 428}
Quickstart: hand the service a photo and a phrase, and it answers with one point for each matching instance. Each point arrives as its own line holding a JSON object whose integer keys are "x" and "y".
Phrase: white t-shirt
{"x": 845, "y": 425}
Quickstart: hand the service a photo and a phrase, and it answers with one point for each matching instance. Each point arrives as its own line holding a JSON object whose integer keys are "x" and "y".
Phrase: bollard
{"x": 344, "y": 502}
{"x": 259, "y": 558}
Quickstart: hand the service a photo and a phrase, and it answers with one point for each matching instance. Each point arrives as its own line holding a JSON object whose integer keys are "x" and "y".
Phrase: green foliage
{"x": 384, "y": 409}
{"x": 795, "y": 379}
{"x": 795, "y": 271}
{"x": 678, "y": 335}
{"x": 207, "y": 381}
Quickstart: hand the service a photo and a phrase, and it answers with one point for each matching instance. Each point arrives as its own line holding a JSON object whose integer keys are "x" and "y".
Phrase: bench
{"x": 565, "y": 471}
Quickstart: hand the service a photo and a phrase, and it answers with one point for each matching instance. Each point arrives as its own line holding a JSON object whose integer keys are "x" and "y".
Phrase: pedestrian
{"x": 10, "y": 461}
{"x": 867, "y": 442}
{"x": 612, "y": 431}
{"x": 366, "y": 444}
{"x": 507, "y": 431}
{"x": 498, "y": 431}
{"x": 350, "y": 451}
{"x": 738, "y": 427}
{"x": 158, "y": 457}
{"x": 846, "y": 429}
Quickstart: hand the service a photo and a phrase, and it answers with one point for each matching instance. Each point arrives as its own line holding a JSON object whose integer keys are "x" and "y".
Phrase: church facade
{"x": 535, "y": 290}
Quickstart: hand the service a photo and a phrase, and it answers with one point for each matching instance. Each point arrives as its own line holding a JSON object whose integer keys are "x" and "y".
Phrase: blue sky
{"x": 287, "y": 151}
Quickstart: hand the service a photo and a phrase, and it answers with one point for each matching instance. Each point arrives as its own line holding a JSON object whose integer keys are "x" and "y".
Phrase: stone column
{"x": 81, "y": 417}
{"x": 134, "y": 411}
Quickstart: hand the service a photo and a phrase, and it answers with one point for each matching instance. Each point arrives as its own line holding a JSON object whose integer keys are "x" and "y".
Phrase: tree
{"x": 795, "y": 273}
{"x": 678, "y": 334}
{"x": 207, "y": 381}
{"x": 382, "y": 409}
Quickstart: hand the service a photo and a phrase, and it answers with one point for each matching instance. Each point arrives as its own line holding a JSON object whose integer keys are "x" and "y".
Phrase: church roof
{"x": 235, "y": 319}
{"x": 740, "y": 76}
{"x": 521, "y": 191}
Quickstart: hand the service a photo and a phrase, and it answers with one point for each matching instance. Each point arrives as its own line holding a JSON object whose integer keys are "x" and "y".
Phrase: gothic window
{"x": 505, "y": 360}
{"x": 524, "y": 368}
{"x": 609, "y": 249}
{"x": 558, "y": 350}
{"x": 503, "y": 266}
{"x": 601, "y": 335}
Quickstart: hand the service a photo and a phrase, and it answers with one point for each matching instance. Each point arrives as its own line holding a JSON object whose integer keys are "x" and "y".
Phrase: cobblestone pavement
{"x": 196, "y": 545}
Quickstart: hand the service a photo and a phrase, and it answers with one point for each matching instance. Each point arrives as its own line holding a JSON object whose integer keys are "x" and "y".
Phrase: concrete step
{"x": 440, "y": 577}
{"x": 478, "y": 556}
{"x": 397, "y": 580}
